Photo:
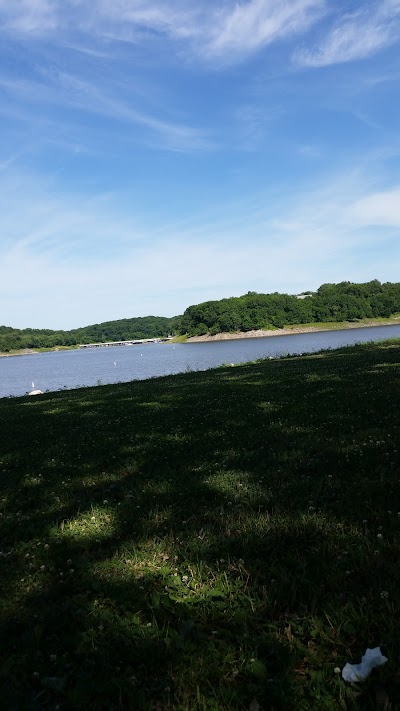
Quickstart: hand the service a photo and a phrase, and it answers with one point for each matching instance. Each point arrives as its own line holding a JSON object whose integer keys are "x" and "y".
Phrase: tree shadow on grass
{"x": 212, "y": 538}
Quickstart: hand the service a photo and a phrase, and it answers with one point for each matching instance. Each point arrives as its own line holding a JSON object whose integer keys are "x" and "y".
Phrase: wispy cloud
{"x": 39, "y": 220}
{"x": 64, "y": 89}
{"x": 28, "y": 16}
{"x": 250, "y": 26}
{"x": 356, "y": 35}
{"x": 224, "y": 30}
{"x": 255, "y": 123}
{"x": 292, "y": 245}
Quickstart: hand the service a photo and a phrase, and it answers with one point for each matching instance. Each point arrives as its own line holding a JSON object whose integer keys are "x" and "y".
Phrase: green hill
{"x": 330, "y": 303}
{"x": 121, "y": 330}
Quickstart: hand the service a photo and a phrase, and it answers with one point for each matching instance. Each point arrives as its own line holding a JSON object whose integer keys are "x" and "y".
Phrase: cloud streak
{"x": 28, "y": 16}
{"x": 64, "y": 89}
{"x": 356, "y": 35}
{"x": 224, "y": 30}
{"x": 250, "y": 26}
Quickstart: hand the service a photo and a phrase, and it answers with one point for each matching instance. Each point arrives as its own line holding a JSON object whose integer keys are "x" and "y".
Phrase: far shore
{"x": 23, "y": 351}
{"x": 288, "y": 331}
{"x": 33, "y": 351}
{"x": 291, "y": 330}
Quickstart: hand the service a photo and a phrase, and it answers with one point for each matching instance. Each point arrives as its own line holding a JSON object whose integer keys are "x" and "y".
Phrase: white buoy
{"x": 35, "y": 392}
{"x": 115, "y": 365}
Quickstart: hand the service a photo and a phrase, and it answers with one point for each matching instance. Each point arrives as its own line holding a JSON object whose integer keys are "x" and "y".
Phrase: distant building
{"x": 302, "y": 296}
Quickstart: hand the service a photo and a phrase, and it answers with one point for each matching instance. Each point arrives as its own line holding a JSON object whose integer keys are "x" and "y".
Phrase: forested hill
{"x": 331, "y": 302}
{"x": 124, "y": 329}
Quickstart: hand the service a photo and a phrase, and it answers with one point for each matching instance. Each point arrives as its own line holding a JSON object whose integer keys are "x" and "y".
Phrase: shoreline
{"x": 33, "y": 351}
{"x": 288, "y": 331}
{"x": 343, "y": 325}
{"x": 23, "y": 351}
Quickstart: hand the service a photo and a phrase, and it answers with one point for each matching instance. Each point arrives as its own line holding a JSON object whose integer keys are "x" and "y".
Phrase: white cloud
{"x": 381, "y": 208}
{"x": 357, "y": 35}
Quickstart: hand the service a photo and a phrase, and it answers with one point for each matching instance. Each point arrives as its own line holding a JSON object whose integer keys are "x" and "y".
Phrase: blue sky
{"x": 155, "y": 154}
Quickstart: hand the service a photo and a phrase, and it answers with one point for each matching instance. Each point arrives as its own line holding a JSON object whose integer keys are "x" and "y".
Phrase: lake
{"x": 98, "y": 366}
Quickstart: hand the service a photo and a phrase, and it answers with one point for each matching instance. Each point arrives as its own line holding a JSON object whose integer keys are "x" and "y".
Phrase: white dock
{"x": 138, "y": 342}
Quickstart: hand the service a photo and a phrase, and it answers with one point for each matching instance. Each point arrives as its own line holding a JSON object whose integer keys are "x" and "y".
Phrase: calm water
{"x": 71, "y": 369}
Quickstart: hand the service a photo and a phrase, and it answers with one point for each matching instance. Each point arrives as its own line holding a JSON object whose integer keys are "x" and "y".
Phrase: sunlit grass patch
{"x": 98, "y": 521}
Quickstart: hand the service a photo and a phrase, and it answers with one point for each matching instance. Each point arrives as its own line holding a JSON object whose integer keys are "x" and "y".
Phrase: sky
{"x": 159, "y": 153}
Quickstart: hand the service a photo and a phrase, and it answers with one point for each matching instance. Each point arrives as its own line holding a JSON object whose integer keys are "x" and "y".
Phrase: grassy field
{"x": 217, "y": 540}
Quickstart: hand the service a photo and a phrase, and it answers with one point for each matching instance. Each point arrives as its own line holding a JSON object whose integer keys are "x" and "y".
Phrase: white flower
{"x": 336, "y": 670}
{"x": 379, "y": 536}
{"x": 384, "y": 594}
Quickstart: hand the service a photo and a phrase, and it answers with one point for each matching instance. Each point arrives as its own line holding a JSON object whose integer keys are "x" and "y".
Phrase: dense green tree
{"x": 331, "y": 302}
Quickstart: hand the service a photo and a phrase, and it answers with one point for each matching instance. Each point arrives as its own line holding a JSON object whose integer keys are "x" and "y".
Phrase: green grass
{"x": 212, "y": 540}
{"x": 337, "y": 325}
{"x": 179, "y": 339}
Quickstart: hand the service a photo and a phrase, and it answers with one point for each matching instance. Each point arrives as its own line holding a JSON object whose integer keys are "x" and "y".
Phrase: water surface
{"x": 70, "y": 369}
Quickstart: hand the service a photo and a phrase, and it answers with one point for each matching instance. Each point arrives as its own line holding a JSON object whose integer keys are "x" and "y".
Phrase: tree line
{"x": 331, "y": 302}
{"x": 121, "y": 330}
